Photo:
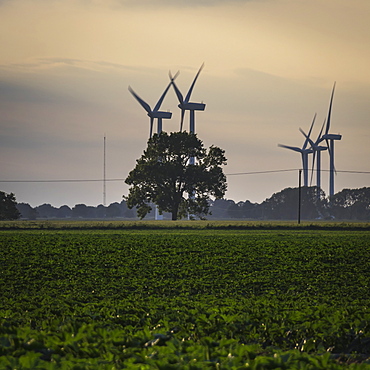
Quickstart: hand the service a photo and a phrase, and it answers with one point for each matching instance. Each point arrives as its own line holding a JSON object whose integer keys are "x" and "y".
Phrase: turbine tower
{"x": 155, "y": 113}
{"x": 304, "y": 154}
{"x": 185, "y": 105}
{"x": 317, "y": 149}
{"x": 159, "y": 115}
{"x": 330, "y": 138}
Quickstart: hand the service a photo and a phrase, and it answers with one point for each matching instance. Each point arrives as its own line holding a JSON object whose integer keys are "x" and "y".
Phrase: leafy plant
{"x": 103, "y": 299}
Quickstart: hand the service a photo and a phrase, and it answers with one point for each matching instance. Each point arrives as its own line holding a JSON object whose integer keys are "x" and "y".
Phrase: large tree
{"x": 8, "y": 207}
{"x": 284, "y": 205}
{"x": 163, "y": 176}
{"x": 351, "y": 204}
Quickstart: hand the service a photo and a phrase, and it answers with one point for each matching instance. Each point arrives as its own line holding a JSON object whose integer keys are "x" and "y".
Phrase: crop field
{"x": 180, "y": 297}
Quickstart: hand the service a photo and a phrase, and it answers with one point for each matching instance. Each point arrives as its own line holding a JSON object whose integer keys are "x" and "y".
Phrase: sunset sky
{"x": 270, "y": 65}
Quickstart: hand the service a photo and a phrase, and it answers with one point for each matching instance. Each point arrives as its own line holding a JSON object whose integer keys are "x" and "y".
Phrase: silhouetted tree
{"x": 219, "y": 208}
{"x": 129, "y": 213}
{"x": 8, "y": 207}
{"x": 235, "y": 210}
{"x": 113, "y": 210}
{"x": 250, "y": 210}
{"x": 125, "y": 211}
{"x": 101, "y": 211}
{"x": 64, "y": 212}
{"x": 83, "y": 211}
{"x": 284, "y": 205}
{"x": 351, "y": 204}
{"x": 244, "y": 210}
{"x": 47, "y": 211}
{"x": 27, "y": 211}
{"x": 163, "y": 176}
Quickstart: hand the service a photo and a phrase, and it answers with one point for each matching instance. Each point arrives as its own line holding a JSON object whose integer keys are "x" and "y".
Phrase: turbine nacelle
{"x": 192, "y": 106}
{"x": 184, "y": 102}
{"x": 304, "y": 151}
{"x": 155, "y": 112}
{"x": 160, "y": 114}
{"x": 331, "y": 137}
{"x": 314, "y": 145}
{"x": 320, "y": 148}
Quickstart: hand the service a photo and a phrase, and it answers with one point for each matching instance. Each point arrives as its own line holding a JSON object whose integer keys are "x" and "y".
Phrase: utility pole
{"x": 299, "y": 195}
{"x": 104, "y": 174}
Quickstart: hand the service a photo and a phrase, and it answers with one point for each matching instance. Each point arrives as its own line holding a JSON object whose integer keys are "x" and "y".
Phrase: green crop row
{"x": 52, "y": 224}
{"x": 184, "y": 299}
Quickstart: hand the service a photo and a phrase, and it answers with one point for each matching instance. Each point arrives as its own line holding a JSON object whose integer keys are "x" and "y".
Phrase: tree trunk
{"x": 175, "y": 209}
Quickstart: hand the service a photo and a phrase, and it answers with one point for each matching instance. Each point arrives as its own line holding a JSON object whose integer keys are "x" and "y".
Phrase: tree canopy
{"x": 351, "y": 204}
{"x": 164, "y": 176}
{"x": 8, "y": 207}
{"x": 284, "y": 204}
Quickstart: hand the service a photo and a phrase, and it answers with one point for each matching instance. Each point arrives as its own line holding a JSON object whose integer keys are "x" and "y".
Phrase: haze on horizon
{"x": 270, "y": 65}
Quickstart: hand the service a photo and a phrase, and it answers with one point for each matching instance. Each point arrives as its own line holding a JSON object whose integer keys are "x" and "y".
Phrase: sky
{"x": 269, "y": 66}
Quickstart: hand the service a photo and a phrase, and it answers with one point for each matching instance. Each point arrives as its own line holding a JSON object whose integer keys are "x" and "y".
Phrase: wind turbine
{"x": 185, "y": 104}
{"x": 317, "y": 149}
{"x": 304, "y": 153}
{"x": 159, "y": 115}
{"x": 155, "y": 113}
{"x": 330, "y": 138}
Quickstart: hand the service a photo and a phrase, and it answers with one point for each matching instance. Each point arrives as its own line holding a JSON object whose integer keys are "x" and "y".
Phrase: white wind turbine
{"x": 317, "y": 149}
{"x": 304, "y": 153}
{"x": 185, "y": 105}
{"x": 330, "y": 138}
{"x": 159, "y": 115}
{"x": 155, "y": 113}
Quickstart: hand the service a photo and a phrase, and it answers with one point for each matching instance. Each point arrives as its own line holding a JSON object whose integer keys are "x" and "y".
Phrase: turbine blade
{"x": 141, "y": 101}
{"x": 330, "y": 153}
{"x": 151, "y": 127}
{"x": 313, "y": 122}
{"x": 328, "y": 146}
{"x": 290, "y": 147}
{"x": 307, "y": 139}
{"x": 175, "y": 76}
{"x": 313, "y": 165}
{"x": 158, "y": 105}
{"x": 318, "y": 140}
{"x": 329, "y": 113}
{"x": 309, "y": 133}
{"x": 182, "y": 119}
{"x": 192, "y": 85}
{"x": 177, "y": 91}
{"x": 303, "y": 163}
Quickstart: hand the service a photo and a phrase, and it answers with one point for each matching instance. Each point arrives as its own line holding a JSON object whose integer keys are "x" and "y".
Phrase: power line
{"x": 63, "y": 180}
{"x": 296, "y": 169}
{"x": 259, "y": 172}
{"x": 104, "y": 173}
{"x": 122, "y": 179}
{"x": 348, "y": 171}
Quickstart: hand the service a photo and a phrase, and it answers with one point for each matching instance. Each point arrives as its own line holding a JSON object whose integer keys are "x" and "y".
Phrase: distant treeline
{"x": 349, "y": 204}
